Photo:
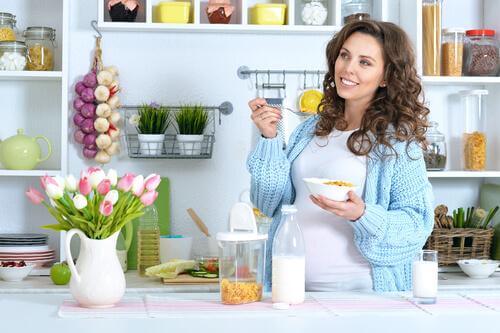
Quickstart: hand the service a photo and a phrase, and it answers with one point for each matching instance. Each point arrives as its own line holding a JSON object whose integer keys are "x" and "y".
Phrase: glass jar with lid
{"x": 314, "y": 12}
{"x": 481, "y": 53}
{"x": 435, "y": 154}
{"x": 474, "y": 137}
{"x": 242, "y": 256}
{"x": 40, "y": 42}
{"x": 356, "y": 10}
{"x": 12, "y": 56}
{"x": 7, "y": 27}
{"x": 431, "y": 34}
{"x": 452, "y": 51}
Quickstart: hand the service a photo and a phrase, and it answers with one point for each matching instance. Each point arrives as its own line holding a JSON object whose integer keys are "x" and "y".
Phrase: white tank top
{"x": 333, "y": 261}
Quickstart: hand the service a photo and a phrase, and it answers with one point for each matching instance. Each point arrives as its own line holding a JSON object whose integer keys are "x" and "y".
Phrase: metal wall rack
{"x": 245, "y": 73}
{"x": 170, "y": 148}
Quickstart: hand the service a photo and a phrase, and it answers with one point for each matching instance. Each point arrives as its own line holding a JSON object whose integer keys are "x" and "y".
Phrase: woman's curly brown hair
{"x": 396, "y": 112}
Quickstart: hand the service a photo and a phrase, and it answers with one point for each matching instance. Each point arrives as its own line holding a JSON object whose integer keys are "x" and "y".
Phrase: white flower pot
{"x": 151, "y": 144}
{"x": 189, "y": 144}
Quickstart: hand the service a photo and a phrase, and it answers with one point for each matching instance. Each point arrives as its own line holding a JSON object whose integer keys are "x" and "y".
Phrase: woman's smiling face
{"x": 359, "y": 68}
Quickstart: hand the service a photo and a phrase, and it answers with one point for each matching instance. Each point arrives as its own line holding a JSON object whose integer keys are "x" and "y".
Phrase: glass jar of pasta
{"x": 7, "y": 27}
{"x": 40, "y": 42}
{"x": 474, "y": 137}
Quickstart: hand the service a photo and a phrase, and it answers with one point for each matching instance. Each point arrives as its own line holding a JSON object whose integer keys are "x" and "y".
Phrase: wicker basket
{"x": 460, "y": 243}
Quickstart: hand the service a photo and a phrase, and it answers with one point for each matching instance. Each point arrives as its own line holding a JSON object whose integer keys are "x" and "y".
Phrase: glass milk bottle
{"x": 148, "y": 240}
{"x": 289, "y": 261}
{"x": 425, "y": 277}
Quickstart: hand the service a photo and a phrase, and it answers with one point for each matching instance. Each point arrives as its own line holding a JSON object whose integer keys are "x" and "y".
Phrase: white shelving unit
{"x": 37, "y": 101}
{"x": 240, "y": 18}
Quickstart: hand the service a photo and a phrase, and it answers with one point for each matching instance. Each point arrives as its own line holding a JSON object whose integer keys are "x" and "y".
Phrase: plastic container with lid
{"x": 431, "y": 34}
{"x": 268, "y": 14}
{"x": 40, "y": 42}
{"x": 474, "y": 137}
{"x": 12, "y": 56}
{"x": 356, "y": 10}
{"x": 481, "y": 53}
{"x": 242, "y": 256}
{"x": 7, "y": 27}
{"x": 452, "y": 49}
{"x": 314, "y": 12}
{"x": 435, "y": 154}
{"x": 289, "y": 260}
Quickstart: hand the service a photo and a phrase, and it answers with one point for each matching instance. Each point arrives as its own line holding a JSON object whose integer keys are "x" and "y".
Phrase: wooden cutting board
{"x": 188, "y": 279}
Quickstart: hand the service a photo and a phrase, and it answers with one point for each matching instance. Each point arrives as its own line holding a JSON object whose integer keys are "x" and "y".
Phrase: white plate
{"x": 26, "y": 258}
{"x": 24, "y": 249}
{"x": 16, "y": 254}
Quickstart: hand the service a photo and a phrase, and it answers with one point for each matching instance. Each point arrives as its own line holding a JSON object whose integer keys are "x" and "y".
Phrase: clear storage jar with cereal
{"x": 7, "y": 27}
{"x": 12, "y": 56}
{"x": 242, "y": 253}
{"x": 41, "y": 43}
{"x": 452, "y": 49}
{"x": 474, "y": 137}
{"x": 481, "y": 53}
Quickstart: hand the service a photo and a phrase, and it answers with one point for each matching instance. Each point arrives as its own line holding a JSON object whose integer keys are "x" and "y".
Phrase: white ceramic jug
{"x": 97, "y": 281}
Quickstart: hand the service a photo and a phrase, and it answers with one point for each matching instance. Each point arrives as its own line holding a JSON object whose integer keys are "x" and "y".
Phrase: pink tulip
{"x": 148, "y": 198}
{"x": 125, "y": 183}
{"x": 84, "y": 186}
{"x": 106, "y": 207}
{"x": 44, "y": 180}
{"x": 104, "y": 187}
{"x": 152, "y": 182}
{"x": 34, "y": 196}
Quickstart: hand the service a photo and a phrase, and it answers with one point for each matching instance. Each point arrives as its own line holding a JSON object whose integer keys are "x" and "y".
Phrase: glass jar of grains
{"x": 431, "y": 34}
{"x": 481, "y": 53}
{"x": 41, "y": 43}
{"x": 7, "y": 27}
{"x": 435, "y": 153}
{"x": 356, "y": 10}
{"x": 474, "y": 137}
{"x": 452, "y": 49}
{"x": 12, "y": 56}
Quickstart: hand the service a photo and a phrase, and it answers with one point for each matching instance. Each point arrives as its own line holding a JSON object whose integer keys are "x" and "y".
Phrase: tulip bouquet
{"x": 98, "y": 204}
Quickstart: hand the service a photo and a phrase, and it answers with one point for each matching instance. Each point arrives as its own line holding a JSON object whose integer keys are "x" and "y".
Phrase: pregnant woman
{"x": 369, "y": 131}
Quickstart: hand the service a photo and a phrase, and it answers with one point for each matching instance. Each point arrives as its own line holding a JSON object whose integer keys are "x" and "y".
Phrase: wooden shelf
{"x": 463, "y": 174}
{"x": 31, "y": 75}
{"x": 229, "y": 28}
{"x": 29, "y": 173}
{"x": 457, "y": 80}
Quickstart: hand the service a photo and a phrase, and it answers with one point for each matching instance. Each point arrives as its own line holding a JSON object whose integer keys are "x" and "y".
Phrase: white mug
{"x": 175, "y": 248}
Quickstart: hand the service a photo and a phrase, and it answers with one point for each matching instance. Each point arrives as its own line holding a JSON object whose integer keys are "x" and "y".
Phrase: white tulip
{"x": 80, "y": 201}
{"x": 60, "y": 182}
{"x": 71, "y": 184}
{"x": 138, "y": 185}
{"x": 96, "y": 176}
{"x": 54, "y": 192}
{"x": 112, "y": 196}
{"x": 112, "y": 176}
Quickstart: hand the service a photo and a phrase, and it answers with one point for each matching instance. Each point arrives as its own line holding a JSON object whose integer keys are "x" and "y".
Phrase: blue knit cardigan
{"x": 399, "y": 203}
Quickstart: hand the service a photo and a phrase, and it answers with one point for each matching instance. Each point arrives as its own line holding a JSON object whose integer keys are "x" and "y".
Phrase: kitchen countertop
{"x": 137, "y": 284}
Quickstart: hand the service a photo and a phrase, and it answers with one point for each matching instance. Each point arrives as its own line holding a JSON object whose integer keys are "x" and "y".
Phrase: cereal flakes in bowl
{"x": 332, "y": 189}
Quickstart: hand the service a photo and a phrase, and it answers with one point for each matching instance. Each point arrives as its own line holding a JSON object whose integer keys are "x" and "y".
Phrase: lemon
{"x": 309, "y": 100}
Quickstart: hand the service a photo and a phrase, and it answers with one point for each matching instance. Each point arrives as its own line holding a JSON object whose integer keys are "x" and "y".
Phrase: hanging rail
{"x": 244, "y": 73}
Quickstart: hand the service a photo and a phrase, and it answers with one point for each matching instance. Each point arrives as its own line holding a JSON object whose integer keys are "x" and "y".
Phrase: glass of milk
{"x": 425, "y": 277}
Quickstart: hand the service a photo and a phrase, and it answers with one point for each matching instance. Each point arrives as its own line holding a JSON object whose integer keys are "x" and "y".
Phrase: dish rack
{"x": 170, "y": 147}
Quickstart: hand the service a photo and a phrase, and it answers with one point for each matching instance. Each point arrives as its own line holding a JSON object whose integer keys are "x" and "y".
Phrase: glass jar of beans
{"x": 481, "y": 53}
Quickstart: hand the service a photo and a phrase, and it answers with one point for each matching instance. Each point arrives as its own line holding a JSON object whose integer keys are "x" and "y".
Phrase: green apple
{"x": 60, "y": 273}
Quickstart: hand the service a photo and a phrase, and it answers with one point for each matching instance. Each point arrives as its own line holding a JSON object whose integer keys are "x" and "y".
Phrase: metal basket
{"x": 170, "y": 145}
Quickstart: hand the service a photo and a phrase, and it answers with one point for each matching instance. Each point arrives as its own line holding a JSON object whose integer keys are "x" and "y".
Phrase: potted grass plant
{"x": 191, "y": 123}
{"x": 151, "y": 123}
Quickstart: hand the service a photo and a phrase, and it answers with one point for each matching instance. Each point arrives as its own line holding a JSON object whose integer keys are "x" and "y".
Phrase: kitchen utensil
{"x": 21, "y": 152}
{"x": 199, "y": 223}
{"x": 478, "y": 268}
{"x": 13, "y": 274}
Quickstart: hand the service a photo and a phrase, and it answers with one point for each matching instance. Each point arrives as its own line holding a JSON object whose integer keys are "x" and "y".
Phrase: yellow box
{"x": 172, "y": 12}
{"x": 268, "y": 14}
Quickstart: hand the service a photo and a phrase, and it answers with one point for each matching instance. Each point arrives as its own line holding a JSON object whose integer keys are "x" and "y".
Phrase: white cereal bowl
{"x": 478, "y": 268}
{"x": 13, "y": 274}
{"x": 317, "y": 186}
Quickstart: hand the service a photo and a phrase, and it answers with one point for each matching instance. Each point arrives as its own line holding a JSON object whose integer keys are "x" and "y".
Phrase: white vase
{"x": 189, "y": 144}
{"x": 97, "y": 280}
{"x": 151, "y": 144}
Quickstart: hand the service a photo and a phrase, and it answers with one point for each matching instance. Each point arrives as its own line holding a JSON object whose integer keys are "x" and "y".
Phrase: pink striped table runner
{"x": 127, "y": 308}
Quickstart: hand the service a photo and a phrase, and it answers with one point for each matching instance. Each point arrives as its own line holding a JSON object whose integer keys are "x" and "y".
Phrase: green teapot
{"x": 21, "y": 152}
